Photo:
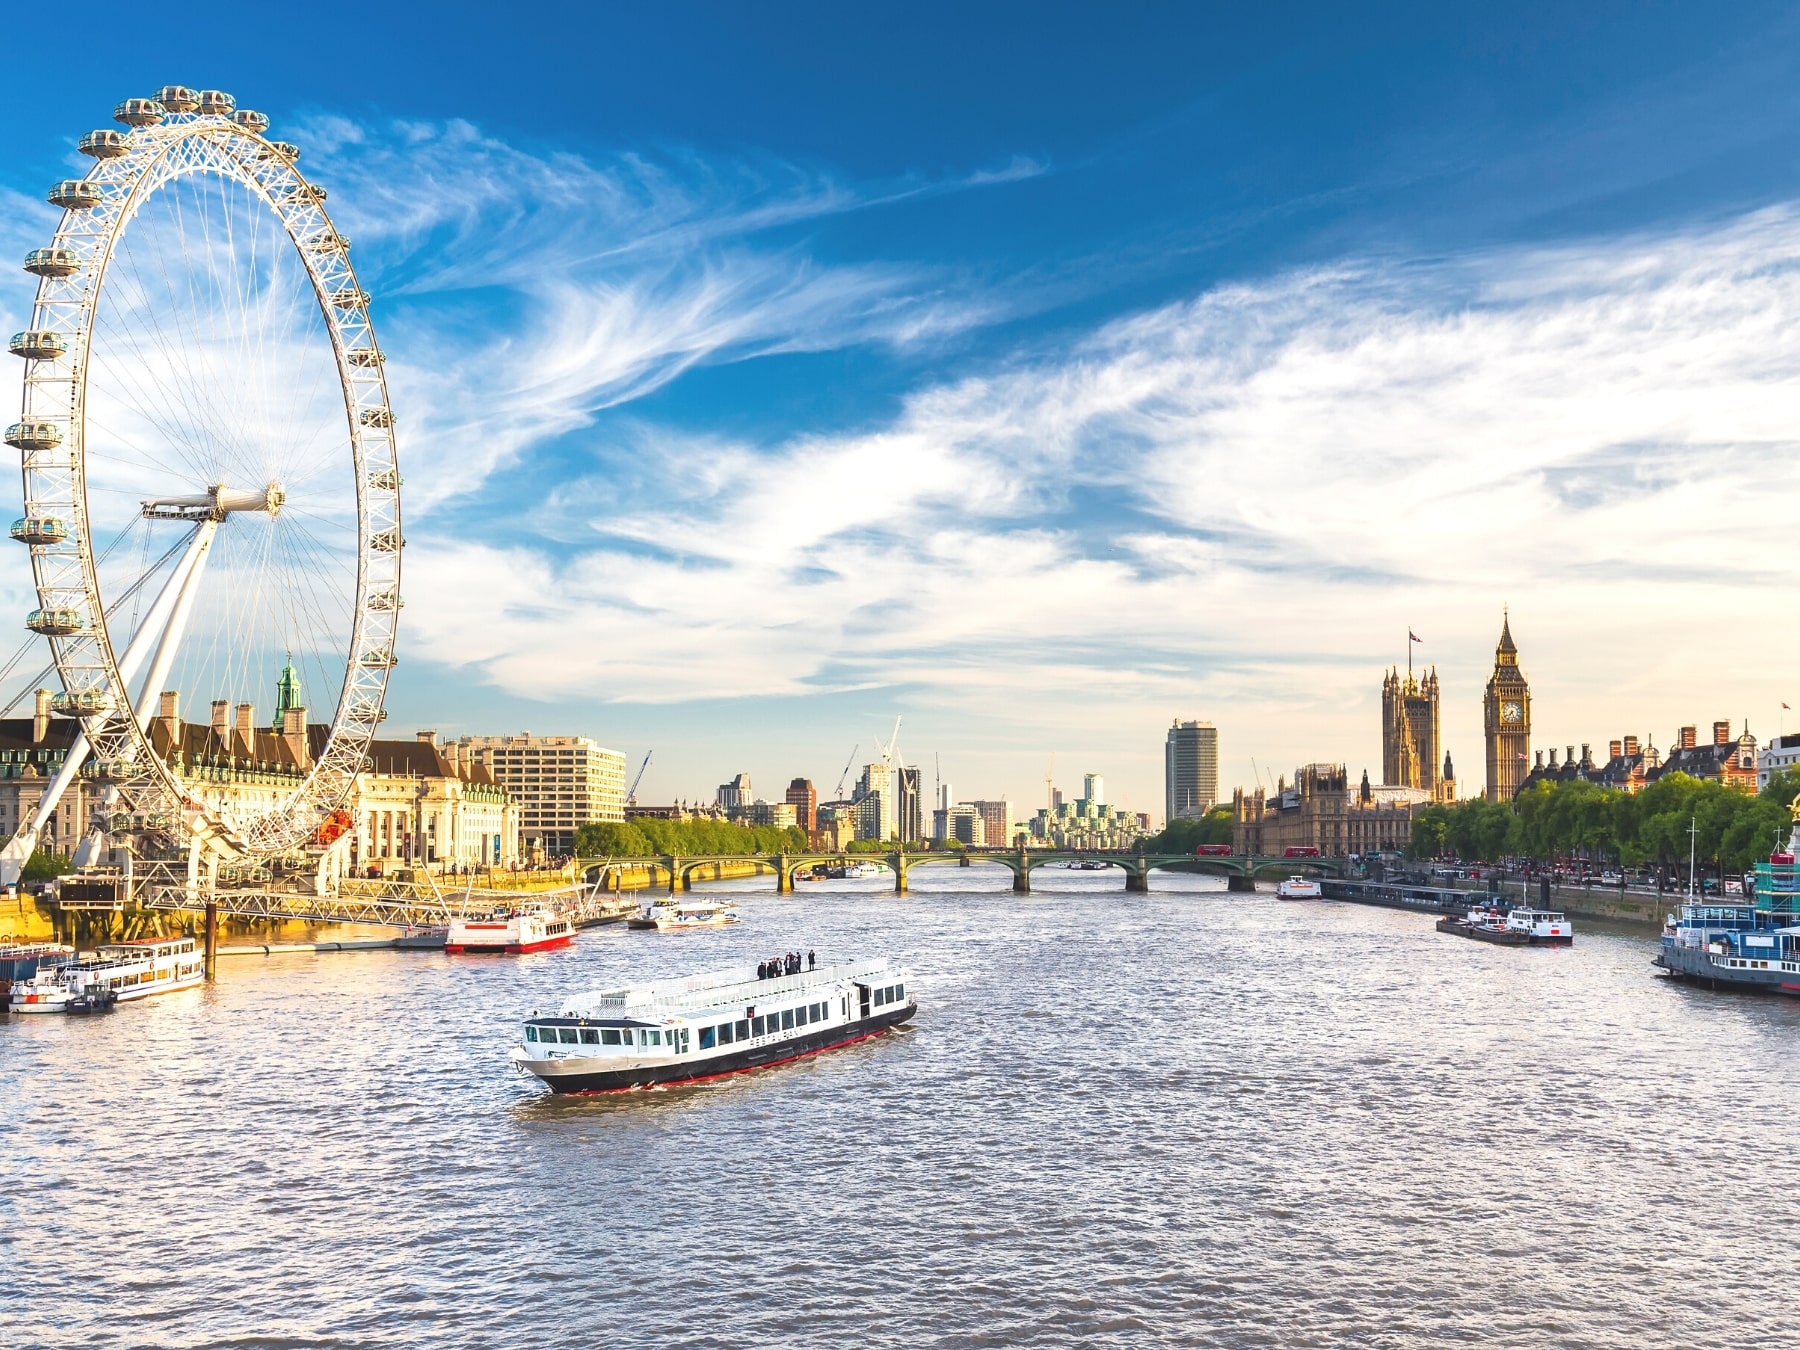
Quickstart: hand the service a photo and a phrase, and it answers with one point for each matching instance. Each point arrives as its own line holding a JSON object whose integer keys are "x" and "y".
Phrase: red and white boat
{"x": 510, "y": 928}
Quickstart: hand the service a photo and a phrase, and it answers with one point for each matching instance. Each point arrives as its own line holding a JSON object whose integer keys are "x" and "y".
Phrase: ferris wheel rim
{"x": 95, "y": 691}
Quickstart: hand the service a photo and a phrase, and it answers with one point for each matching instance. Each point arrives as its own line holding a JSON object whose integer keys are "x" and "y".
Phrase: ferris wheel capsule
{"x": 178, "y": 98}
{"x": 76, "y": 194}
{"x": 280, "y": 150}
{"x": 250, "y": 121}
{"x": 38, "y": 344}
{"x": 55, "y": 622}
{"x": 216, "y": 103}
{"x": 139, "y": 112}
{"x": 107, "y": 144}
{"x": 52, "y": 262}
{"x": 34, "y": 435}
{"x": 42, "y": 530}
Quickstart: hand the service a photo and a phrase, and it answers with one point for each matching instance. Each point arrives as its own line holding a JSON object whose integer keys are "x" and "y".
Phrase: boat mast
{"x": 1692, "y": 831}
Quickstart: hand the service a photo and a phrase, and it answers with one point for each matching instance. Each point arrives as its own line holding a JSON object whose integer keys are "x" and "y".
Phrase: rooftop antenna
{"x": 1049, "y": 786}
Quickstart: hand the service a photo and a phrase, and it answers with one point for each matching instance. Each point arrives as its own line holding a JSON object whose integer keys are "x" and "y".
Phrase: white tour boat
{"x": 862, "y": 871}
{"x": 525, "y": 927}
{"x": 116, "y": 972}
{"x": 707, "y": 1026}
{"x": 1299, "y": 888}
{"x": 1544, "y": 927}
{"x": 668, "y": 912}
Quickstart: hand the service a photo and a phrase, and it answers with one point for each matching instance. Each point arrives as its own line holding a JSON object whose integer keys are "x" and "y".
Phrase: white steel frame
{"x": 156, "y": 798}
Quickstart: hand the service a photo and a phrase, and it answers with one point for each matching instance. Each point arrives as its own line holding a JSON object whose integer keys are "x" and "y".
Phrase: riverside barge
{"x": 1753, "y": 947}
{"x": 709, "y": 1026}
{"x": 118, "y": 972}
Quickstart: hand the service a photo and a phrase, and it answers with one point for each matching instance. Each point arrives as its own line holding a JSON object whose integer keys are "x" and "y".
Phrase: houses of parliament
{"x": 1410, "y": 745}
{"x": 1321, "y": 809}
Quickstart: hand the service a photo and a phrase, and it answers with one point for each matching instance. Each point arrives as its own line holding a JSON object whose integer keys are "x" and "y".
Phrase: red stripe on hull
{"x": 511, "y": 949}
{"x": 728, "y": 1073}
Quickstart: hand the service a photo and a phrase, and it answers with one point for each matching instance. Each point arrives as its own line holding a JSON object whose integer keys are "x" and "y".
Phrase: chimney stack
{"x": 1553, "y": 757}
{"x": 1689, "y": 739}
{"x": 40, "y": 717}
{"x": 1631, "y": 745}
{"x": 425, "y": 737}
{"x": 246, "y": 730}
{"x": 169, "y": 705}
{"x": 1722, "y": 733}
{"x": 1615, "y": 749}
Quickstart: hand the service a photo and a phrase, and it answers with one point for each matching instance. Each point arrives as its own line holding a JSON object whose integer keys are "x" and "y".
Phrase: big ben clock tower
{"x": 1508, "y": 708}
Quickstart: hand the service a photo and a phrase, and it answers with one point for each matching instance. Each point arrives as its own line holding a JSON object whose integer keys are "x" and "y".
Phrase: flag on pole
{"x": 1785, "y": 706}
{"x": 1416, "y": 638}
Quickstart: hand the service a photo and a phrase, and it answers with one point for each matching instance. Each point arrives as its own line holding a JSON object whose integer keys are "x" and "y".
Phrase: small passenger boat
{"x": 524, "y": 927}
{"x": 117, "y": 972}
{"x": 708, "y": 1026}
{"x": 1087, "y": 865}
{"x": 861, "y": 871}
{"x": 1754, "y": 947}
{"x": 1542, "y": 927}
{"x": 666, "y": 913}
{"x": 1299, "y": 888}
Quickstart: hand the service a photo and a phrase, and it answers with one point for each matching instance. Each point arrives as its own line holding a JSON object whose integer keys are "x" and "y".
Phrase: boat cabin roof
{"x": 718, "y": 989}
{"x": 148, "y": 946}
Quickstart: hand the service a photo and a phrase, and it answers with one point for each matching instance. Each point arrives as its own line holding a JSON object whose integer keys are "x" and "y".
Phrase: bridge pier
{"x": 1021, "y": 879}
{"x": 897, "y": 861}
{"x": 1235, "y": 882}
{"x": 212, "y": 937}
{"x": 1137, "y": 883}
{"x": 784, "y": 877}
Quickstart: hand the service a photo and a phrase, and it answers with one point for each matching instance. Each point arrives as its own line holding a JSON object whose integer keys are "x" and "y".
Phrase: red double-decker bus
{"x": 1300, "y": 851}
{"x": 1213, "y": 851}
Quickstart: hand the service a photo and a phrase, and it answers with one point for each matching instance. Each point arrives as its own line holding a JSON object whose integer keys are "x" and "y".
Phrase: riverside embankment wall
{"x": 25, "y": 918}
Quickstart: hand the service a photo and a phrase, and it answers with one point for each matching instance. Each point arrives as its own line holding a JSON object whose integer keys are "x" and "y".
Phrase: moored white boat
{"x": 116, "y": 972}
{"x": 671, "y": 912}
{"x": 525, "y": 927}
{"x": 1542, "y": 927}
{"x": 707, "y": 1026}
{"x": 1299, "y": 888}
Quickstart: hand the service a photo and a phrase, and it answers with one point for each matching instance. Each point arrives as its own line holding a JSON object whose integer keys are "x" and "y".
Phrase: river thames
{"x": 1185, "y": 1118}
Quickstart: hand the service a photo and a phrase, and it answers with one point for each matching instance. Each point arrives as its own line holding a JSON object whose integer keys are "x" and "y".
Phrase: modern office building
{"x": 802, "y": 796}
{"x": 877, "y": 786}
{"x": 735, "y": 795}
{"x": 996, "y": 822}
{"x": 1190, "y": 770}
{"x": 559, "y": 782}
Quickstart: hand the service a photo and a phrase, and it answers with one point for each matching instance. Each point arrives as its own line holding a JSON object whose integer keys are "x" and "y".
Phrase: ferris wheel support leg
{"x": 161, "y": 619}
{"x": 186, "y": 585}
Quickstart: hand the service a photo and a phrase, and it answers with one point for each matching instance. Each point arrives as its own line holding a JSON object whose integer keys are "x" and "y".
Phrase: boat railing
{"x": 748, "y": 990}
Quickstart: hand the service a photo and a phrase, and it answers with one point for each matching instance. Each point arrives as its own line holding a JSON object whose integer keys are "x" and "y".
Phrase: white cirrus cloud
{"x": 1233, "y": 505}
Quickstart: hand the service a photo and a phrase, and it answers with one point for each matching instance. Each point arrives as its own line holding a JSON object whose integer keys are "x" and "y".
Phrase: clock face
{"x": 1511, "y": 712}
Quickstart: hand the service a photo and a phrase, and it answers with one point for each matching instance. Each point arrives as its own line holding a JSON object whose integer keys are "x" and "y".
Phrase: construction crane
{"x": 631, "y": 793}
{"x": 890, "y": 752}
{"x": 1049, "y": 788}
{"x": 844, "y": 777}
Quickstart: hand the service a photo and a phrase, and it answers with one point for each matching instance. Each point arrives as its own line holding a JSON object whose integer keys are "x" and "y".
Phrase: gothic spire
{"x": 1506, "y": 640}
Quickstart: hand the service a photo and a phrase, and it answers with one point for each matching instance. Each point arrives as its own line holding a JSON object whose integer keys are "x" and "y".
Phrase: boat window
{"x": 590, "y": 1036}
{"x": 899, "y": 991}
{"x": 802, "y": 1016}
{"x": 653, "y": 1037}
{"x": 568, "y": 1036}
{"x": 743, "y": 1030}
{"x": 787, "y": 1019}
{"x": 709, "y": 1037}
{"x": 756, "y": 1026}
{"x": 609, "y": 1036}
{"x": 531, "y": 1033}
{"x": 880, "y": 997}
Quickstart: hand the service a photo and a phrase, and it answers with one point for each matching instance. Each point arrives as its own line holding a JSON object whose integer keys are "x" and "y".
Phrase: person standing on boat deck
{"x": 762, "y": 970}
{"x": 812, "y": 959}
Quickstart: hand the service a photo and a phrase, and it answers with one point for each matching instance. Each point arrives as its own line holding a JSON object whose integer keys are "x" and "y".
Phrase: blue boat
{"x": 1754, "y": 946}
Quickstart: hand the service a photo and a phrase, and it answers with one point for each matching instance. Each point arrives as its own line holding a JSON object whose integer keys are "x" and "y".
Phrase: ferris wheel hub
{"x": 216, "y": 503}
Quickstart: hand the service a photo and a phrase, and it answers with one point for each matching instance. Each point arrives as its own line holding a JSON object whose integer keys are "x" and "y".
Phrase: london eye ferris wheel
{"x": 211, "y": 495}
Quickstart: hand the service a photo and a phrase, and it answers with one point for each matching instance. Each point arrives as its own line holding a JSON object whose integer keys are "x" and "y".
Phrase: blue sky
{"x": 1044, "y": 373}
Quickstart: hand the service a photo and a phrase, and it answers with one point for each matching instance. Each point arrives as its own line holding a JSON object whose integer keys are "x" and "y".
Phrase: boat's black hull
{"x": 1507, "y": 937}
{"x": 1693, "y": 966}
{"x": 721, "y": 1066}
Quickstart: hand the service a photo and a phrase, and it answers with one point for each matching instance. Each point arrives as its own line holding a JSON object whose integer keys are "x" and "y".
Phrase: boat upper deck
{"x": 719, "y": 989}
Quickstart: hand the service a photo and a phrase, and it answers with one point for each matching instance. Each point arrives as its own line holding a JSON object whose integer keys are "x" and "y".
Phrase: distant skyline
{"x": 1049, "y": 373}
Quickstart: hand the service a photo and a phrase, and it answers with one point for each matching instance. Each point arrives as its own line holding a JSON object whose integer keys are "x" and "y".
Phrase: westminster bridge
{"x": 1240, "y": 870}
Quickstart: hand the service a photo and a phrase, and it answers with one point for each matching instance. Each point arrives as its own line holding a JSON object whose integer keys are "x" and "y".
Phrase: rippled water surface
{"x": 1187, "y": 1118}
